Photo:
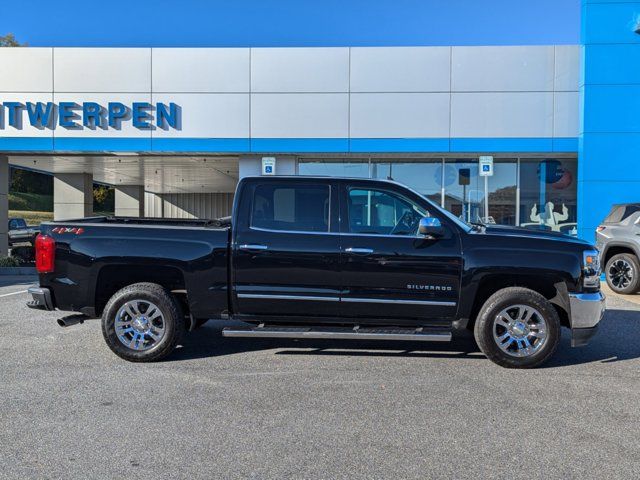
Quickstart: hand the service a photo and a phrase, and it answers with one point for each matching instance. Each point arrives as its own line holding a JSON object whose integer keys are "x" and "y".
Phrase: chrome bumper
{"x": 41, "y": 298}
{"x": 587, "y": 310}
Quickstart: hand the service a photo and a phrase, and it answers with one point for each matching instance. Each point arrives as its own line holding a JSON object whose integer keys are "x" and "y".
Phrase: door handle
{"x": 359, "y": 251}
{"x": 250, "y": 246}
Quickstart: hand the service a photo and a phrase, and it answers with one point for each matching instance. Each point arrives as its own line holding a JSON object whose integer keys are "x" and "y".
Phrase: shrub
{"x": 6, "y": 262}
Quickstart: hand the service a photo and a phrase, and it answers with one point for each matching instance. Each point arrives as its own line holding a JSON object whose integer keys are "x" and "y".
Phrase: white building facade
{"x": 174, "y": 129}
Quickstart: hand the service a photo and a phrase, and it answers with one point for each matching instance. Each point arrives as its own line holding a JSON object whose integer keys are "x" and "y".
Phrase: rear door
{"x": 389, "y": 271}
{"x": 286, "y": 250}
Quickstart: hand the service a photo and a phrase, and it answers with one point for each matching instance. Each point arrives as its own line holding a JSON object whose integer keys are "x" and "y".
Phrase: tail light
{"x": 45, "y": 253}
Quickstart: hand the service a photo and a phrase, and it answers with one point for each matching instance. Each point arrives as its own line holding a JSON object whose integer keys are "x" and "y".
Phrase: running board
{"x": 357, "y": 333}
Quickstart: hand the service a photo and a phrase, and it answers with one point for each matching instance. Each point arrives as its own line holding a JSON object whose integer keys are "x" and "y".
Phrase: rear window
{"x": 300, "y": 208}
{"x": 17, "y": 223}
{"x": 620, "y": 213}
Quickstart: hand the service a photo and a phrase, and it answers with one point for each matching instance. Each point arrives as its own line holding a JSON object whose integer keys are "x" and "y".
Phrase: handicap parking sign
{"x": 486, "y": 166}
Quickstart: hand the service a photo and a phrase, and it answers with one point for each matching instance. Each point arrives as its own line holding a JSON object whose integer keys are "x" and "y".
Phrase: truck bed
{"x": 96, "y": 256}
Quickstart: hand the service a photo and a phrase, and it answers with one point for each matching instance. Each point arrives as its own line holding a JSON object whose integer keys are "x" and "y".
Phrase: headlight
{"x": 591, "y": 269}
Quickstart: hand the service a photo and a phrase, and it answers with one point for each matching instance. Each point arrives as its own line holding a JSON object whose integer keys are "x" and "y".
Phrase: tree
{"x": 9, "y": 40}
{"x": 103, "y": 199}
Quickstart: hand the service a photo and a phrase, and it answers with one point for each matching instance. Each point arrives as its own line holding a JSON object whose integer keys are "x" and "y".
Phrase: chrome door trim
{"x": 401, "y": 302}
{"x": 287, "y": 297}
{"x": 347, "y": 299}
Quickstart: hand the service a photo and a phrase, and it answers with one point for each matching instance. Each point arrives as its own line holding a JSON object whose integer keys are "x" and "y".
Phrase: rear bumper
{"x": 587, "y": 310}
{"x": 41, "y": 298}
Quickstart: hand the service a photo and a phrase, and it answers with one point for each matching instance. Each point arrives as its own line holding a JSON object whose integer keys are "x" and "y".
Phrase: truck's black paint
{"x": 204, "y": 261}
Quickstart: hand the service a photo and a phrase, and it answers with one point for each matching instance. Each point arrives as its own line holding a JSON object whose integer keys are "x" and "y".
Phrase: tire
{"x": 623, "y": 273}
{"x": 541, "y": 331}
{"x": 142, "y": 337}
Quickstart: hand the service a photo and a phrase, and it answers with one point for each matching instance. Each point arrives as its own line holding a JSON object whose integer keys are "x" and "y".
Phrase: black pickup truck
{"x": 330, "y": 258}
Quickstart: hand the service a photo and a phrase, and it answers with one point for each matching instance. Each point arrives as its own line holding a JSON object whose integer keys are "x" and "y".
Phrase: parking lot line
{"x": 13, "y": 293}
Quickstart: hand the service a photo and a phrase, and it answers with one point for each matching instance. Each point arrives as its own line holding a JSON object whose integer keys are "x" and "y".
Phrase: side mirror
{"x": 430, "y": 227}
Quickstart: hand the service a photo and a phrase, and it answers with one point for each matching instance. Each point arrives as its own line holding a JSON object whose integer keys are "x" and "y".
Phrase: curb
{"x": 17, "y": 271}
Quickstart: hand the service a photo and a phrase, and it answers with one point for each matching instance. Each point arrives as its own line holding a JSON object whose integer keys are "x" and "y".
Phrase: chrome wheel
{"x": 139, "y": 325}
{"x": 520, "y": 330}
{"x": 620, "y": 274}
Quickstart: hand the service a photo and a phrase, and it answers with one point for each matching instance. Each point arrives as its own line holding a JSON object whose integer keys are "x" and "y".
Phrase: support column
{"x": 129, "y": 201}
{"x": 4, "y": 205}
{"x": 72, "y": 195}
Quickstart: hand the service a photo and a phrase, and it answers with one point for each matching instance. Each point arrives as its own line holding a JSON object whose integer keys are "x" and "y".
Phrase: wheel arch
{"x": 552, "y": 288}
{"x": 615, "y": 248}
{"x": 112, "y": 278}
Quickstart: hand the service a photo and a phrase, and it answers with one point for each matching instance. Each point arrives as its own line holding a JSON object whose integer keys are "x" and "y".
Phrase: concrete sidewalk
{"x": 634, "y": 298}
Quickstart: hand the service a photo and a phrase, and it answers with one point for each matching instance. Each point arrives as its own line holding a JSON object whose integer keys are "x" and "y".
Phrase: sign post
{"x": 486, "y": 171}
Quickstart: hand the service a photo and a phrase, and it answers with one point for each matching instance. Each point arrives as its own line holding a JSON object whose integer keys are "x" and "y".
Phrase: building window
{"x": 425, "y": 176}
{"x": 548, "y": 194}
{"x": 463, "y": 194}
{"x": 533, "y": 193}
{"x": 503, "y": 196}
{"x": 352, "y": 168}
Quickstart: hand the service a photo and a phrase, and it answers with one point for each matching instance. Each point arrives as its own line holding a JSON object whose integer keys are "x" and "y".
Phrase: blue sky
{"x": 214, "y": 23}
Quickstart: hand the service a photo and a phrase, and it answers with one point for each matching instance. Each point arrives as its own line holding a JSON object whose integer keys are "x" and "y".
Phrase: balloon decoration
{"x": 555, "y": 174}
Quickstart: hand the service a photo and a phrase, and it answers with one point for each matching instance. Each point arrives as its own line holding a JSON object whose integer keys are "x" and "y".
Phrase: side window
{"x": 383, "y": 213}
{"x": 301, "y": 208}
{"x": 615, "y": 215}
{"x": 13, "y": 224}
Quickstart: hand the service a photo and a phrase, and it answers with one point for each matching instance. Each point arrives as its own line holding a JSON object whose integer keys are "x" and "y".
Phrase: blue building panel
{"x": 610, "y": 23}
{"x": 26, "y": 144}
{"x": 619, "y": 64}
{"x": 611, "y": 108}
{"x": 84, "y": 144}
{"x": 610, "y": 102}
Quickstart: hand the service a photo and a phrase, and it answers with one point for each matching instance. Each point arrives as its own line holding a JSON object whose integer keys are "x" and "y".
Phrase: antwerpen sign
{"x": 92, "y": 115}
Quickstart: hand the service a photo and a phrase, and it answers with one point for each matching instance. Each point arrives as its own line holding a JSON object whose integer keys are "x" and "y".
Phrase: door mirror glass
{"x": 430, "y": 226}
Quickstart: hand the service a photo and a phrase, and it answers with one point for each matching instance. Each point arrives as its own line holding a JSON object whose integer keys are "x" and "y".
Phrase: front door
{"x": 389, "y": 271}
{"x": 286, "y": 251}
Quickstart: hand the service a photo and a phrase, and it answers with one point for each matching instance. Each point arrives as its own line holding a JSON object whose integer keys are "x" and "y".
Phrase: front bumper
{"x": 41, "y": 298}
{"x": 587, "y": 310}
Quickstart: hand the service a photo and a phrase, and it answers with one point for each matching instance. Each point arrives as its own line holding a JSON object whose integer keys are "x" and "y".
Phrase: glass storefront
{"x": 424, "y": 177}
{"x": 537, "y": 193}
{"x": 548, "y": 194}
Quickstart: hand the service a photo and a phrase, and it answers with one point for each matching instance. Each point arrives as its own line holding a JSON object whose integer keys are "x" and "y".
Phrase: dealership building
{"x": 174, "y": 129}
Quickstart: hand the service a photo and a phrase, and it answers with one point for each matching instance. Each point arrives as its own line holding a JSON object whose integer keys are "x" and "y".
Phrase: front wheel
{"x": 517, "y": 328}
{"x": 623, "y": 273}
{"x": 142, "y": 323}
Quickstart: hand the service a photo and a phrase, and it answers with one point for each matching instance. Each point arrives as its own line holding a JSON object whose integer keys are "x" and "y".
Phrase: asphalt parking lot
{"x": 240, "y": 408}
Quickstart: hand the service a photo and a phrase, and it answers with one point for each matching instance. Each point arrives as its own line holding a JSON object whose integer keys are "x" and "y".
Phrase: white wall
{"x": 395, "y": 92}
{"x": 188, "y": 205}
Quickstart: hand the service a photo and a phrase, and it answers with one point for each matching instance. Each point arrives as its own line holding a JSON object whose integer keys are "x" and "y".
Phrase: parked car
{"x": 330, "y": 258}
{"x": 20, "y": 232}
{"x": 618, "y": 239}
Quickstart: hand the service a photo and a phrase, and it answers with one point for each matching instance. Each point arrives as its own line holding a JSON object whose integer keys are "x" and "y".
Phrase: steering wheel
{"x": 407, "y": 224}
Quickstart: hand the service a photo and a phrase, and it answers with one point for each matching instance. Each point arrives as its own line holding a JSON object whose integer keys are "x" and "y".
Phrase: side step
{"x": 342, "y": 333}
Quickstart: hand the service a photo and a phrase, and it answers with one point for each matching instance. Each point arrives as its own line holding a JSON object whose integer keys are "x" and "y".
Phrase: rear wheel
{"x": 623, "y": 273}
{"x": 142, "y": 323}
{"x": 517, "y": 328}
